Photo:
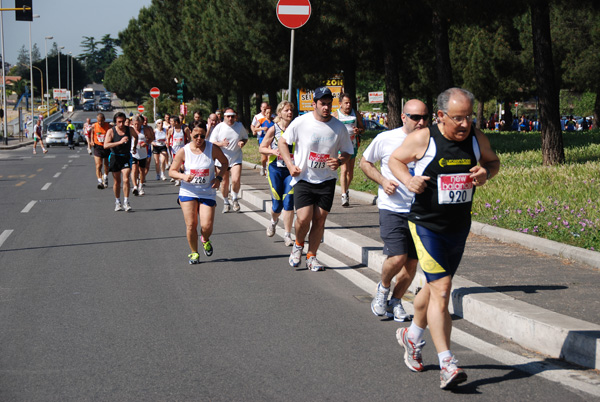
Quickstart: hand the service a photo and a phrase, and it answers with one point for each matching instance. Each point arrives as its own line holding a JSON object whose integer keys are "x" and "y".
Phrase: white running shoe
{"x": 126, "y": 206}
{"x": 141, "y": 191}
{"x": 312, "y": 264}
{"x": 346, "y": 199}
{"x": 379, "y": 303}
{"x": 163, "y": 177}
{"x": 177, "y": 182}
{"x": 171, "y": 180}
{"x": 287, "y": 240}
{"x": 450, "y": 374}
{"x": 271, "y": 228}
{"x": 236, "y": 206}
{"x": 412, "y": 352}
{"x": 226, "y": 208}
{"x": 295, "y": 256}
{"x": 396, "y": 311}
{"x": 118, "y": 207}
{"x": 89, "y": 151}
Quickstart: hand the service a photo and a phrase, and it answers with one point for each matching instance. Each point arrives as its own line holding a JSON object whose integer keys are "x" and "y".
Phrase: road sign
{"x": 155, "y": 92}
{"x": 375, "y": 97}
{"x": 293, "y": 13}
{"x": 141, "y": 108}
{"x": 516, "y": 103}
{"x": 183, "y": 109}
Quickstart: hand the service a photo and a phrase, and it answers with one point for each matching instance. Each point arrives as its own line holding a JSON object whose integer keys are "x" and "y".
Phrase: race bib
{"x": 142, "y": 143}
{"x": 161, "y": 141}
{"x": 178, "y": 141}
{"x": 455, "y": 188}
{"x": 200, "y": 176}
{"x": 100, "y": 137}
{"x": 317, "y": 161}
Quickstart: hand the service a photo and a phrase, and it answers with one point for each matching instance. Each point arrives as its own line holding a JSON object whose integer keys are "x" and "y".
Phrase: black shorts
{"x": 141, "y": 162}
{"x": 100, "y": 152}
{"x": 320, "y": 194}
{"x": 394, "y": 231}
{"x": 116, "y": 162}
{"x": 157, "y": 149}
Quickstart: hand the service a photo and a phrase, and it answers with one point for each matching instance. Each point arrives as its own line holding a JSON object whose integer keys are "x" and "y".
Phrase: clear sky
{"x": 68, "y": 21}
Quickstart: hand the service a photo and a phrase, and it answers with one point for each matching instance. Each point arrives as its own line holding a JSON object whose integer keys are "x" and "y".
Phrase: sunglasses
{"x": 203, "y": 136}
{"x": 416, "y": 117}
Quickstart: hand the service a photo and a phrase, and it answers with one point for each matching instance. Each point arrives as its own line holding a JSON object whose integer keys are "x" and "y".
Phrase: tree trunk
{"x": 553, "y": 151}
{"x": 429, "y": 103}
{"x": 247, "y": 112}
{"x": 392, "y": 86}
{"x": 225, "y": 99}
{"x": 350, "y": 80}
{"x": 597, "y": 109}
{"x": 258, "y": 99}
{"x": 273, "y": 99}
{"x": 508, "y": 116}
{"x": 214, "y": 103}
{"x": 479, "y": 114}
{"x": 443, "y": 67}
{"x": 239, "y": 100}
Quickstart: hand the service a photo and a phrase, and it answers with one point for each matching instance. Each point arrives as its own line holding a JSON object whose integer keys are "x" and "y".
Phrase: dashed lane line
{"x": 46, "y": 186}
{"x": 4, "y": 235}
{"x": 28, "y": 207}
{"x": 58, "y": 174}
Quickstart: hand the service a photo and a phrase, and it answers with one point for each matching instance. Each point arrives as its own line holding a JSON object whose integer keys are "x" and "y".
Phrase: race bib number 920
{"x": 455, "y": 188}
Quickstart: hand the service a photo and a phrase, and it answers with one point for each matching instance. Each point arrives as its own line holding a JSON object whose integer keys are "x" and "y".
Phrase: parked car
{"x": 105, "y": 105}
{"x": 89, "y": 107}
{"x": 374, "y": 125}
{"x": 57, "y": 133}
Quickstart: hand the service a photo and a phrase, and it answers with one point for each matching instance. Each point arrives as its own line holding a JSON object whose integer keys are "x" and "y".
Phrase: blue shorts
{"x": 439, "y": 253}
{"x": 393, "y": 229}
{"x": 206, "y": 201}
{"x": 281, "y": 191}
{"x": 260, "y": 138}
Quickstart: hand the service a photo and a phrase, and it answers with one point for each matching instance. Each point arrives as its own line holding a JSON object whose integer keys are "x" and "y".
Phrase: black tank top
{"x": 445, "y": 205}
{"x": 123, "y": 149}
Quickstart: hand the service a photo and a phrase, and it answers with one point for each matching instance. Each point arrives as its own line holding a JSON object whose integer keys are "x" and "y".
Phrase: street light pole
{"x": 59, "y": 86}
{"x": 31, "y": 73}
{"x": 4, "y": 124}
{"x": 72, "y": 88}
{"x": 47, "y": 89}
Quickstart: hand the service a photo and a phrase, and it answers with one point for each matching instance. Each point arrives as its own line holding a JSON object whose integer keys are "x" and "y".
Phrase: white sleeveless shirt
{"x": 202, "y": 167}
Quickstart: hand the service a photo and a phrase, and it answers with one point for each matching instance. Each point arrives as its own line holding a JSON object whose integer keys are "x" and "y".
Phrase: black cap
{"x": 322, "y": 92}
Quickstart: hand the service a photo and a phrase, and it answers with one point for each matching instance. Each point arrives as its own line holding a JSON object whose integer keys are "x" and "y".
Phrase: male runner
{"x": 452, "y": 159}
{"x": 394, "y": 201}
{"x": 99, "y": 131}
{"x": 119, "y": 140}
{"x": 318, "y": 137}
{"x": 88, "y": 128}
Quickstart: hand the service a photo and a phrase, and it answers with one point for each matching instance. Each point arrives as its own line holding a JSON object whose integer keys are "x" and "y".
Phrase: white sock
{"x": 104, "y": 177}
{"x": 234, "y": 195}
{"x": 444, "y": 355}
{"x": 288, "y": 234}
{"x": 99, "y": 180}
{"x": 274, "y": 222}
{"x": 383, "y": 287}
{"x": 415, "y": 333}
{"x": 226, "y": 202}
{"x": 125, "y": 199}
{"x": 117, "y": 201}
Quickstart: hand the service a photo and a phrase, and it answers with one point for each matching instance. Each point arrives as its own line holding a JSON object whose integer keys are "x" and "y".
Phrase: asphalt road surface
{"x": 103, "y": 305}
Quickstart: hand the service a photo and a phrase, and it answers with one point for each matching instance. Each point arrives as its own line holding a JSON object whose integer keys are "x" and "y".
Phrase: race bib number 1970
{"x": 455, "y": 188}
{"x": 317, "y": 161}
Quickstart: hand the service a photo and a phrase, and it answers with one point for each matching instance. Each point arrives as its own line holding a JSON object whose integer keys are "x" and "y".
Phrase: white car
{"x": 57, "y": 134}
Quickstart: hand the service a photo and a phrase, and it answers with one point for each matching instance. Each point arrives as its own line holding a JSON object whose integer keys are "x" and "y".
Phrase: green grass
{"x": 560, "y": 203}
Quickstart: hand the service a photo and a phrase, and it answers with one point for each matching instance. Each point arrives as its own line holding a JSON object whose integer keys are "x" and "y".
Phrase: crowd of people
{"x": 427, "y": 179}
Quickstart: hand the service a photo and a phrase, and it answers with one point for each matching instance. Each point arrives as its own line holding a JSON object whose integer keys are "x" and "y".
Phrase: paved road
{"x": 98, "y": 305}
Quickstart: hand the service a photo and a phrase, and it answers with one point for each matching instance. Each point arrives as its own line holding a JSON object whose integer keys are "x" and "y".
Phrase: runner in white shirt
{"x": 199, "y": 183}
{"x": 87, "y": 131}
{"x": 318, "y": 138}
{"x": 159, "y": 150}
{"x": 177, "y": 137}
{"x": 231, "y": 136}
{"x": 140, "y": 157}
{"x": 394, "y": 202}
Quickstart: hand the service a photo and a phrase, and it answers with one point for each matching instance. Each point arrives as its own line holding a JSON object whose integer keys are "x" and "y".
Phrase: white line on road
{"x": 50, "y": 156}
{"x": 46, "y": 186}
{"x": 28, "y": 207}
{"x": 58, "y": 174}
{"x": 4, "y": 236}
{"x": 538, "y": 367}
{"x": 73, "y": 156}
{"x": 66, "y": 166}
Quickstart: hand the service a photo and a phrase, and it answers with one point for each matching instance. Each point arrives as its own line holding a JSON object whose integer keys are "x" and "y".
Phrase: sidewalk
{"x": 545, "y": 303}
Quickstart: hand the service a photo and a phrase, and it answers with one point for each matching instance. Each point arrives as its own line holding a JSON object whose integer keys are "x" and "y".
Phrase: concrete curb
{"x": 19, "y": 145}
{"x": 547, "y": 332}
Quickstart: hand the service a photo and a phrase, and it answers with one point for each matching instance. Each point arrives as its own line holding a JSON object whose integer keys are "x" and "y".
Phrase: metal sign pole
{"x": 291, "y": 66}
{"x": 4, "y": 125}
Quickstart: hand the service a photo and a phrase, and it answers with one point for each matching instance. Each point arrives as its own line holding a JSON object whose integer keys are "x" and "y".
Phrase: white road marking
{"x": 28, "y": 207}
{"x": 537, "y": 367}
{"x": 4, "y": 235}
{"x": 58, "y": 174}
{"x": 46, "y": 186}
{"x": 50, "y": 156}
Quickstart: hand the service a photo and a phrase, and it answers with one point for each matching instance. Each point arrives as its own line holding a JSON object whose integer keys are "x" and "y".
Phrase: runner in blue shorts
{"x": 278, "y": 174}
{"x": 452, "y": 159}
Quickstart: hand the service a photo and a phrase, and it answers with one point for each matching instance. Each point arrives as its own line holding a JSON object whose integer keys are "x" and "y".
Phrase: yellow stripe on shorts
{"x": 427, "y": 262}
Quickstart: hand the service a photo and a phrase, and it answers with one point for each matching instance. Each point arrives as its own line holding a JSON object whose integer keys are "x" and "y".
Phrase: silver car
{"x": 57, "y": 133}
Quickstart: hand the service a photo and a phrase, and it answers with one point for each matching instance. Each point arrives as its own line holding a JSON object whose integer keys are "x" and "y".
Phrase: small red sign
{"x": 141, "y": 108}
{"x": 293, "y": 13}
{"x": 155, "y": 92}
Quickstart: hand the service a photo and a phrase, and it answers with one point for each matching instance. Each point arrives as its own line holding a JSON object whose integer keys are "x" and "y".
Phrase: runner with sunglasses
{"x": 198, "y": 192}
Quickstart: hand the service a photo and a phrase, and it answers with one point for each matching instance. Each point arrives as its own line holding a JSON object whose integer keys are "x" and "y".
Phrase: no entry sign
{"x": 155, "y": 92}
{"x": 141, "y": 108}
{"x": 293, "y": 13}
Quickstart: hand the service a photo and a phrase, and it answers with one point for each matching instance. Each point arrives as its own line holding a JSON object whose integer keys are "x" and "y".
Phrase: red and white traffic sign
{"x": 141, "y": 108}
{"x": 155, "y": 92}
{"x": 293, "y": 13}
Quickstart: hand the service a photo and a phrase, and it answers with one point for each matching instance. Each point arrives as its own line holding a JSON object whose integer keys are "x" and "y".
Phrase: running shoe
{"x": 412, "y": 352}
{"x": 171, "y": 180}
{"x": 271, "y": 228}
{"x": 100, "y": 185}
{"x": 106, "y": 182}
{"x": 396, "y": 311}
{"x": 126, "y": 206}
{"x": 45, "y": 151}
{"x": 236, "y": 206}
{"x": 312, "y": 264}
{"x": 296, "y": 255}
{"x": 141, "y": 191}
{"x": 346, "y": 199}
{"x": 34, "y": 152}
{"x": 287, "y": 240}
{"x": 89, "y": 151}
{"x": 157, "y": 177}
{"x": 379, "y": 302}
{"x": 118, "y": 206}
{"x": 163, "y": 177}
{"x": 194, "y": 258}
{"x": 226, "y": 208}
{"x": 135, "y": 191}
{"x": 178, "y": 182}
{"x": 208, "y": 248}
{"x": 450, "y": 374}
{"x": 262, "y": 171}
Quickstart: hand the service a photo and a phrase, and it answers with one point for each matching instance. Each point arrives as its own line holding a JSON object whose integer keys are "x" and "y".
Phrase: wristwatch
{"x": 219, "y": 178}
{"x": 340, "y": 161}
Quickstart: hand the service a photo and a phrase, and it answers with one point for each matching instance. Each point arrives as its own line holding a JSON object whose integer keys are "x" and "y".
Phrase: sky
{"x": 68, "y": 21}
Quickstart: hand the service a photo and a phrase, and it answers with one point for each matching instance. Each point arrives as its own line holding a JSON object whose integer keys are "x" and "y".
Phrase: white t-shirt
{"x": 316, "y": 142}
{"x": 257, "y": 118}
{"x": 380, "y": 149}
{"x": 233, "y": 134}
{"x": 141, "y": 147}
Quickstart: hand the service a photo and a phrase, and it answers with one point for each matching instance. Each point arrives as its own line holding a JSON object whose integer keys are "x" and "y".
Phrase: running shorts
{"x": 157, "y": 149}
{"x": 141, "y": 162}
{"x": 282, "y": 193}
{"x": 118, "y": 162}
{"x": 439, "y": 253}
{"x": 393, "y": 229}
{"x": 100, "y": 152}
{"x": 320, "y": 194}
{"x": 206, "y": 201}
